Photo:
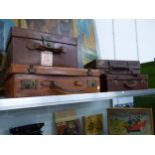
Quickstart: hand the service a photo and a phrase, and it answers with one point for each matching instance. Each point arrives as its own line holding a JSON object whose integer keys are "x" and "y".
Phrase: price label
{"x": 46, "y": 58}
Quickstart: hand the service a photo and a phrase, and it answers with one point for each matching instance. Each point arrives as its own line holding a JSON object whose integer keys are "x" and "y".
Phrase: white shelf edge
{"x": 44, "y": 101}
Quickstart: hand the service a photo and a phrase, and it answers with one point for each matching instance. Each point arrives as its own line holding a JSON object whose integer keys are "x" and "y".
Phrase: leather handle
{"x": 51, "y": 47}
{"x": 53, "y": 84}
{"x": 130, "y": 85}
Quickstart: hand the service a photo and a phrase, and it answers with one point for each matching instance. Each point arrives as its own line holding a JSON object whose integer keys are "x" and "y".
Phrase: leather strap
{"x": 51, "y": 47}
{"x": 130, "y": 85}
{"x": 53, "y": 84}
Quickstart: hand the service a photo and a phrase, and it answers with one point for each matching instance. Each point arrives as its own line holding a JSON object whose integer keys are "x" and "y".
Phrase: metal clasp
{"x": 28, "y": 84}
{"x": 46, "y": 43}
{"x": 32, "y": 69}
{"x": 89, "y": 72}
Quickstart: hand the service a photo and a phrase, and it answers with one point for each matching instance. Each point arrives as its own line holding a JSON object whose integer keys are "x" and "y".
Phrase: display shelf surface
{"x": 44, "y": 101}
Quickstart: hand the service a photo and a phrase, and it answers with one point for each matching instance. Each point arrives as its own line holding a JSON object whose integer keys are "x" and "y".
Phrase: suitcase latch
{"x": 32, "y": 69}
{"x": 89, "y": 72}
{"x": 91, "y": 83}
{"x": 28, "y": 84}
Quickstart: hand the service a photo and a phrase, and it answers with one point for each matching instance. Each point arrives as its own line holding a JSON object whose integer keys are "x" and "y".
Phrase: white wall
{"x": 146, "y": 39}
{"x": 126, "y": 39}
{"x": 104, "y": 38}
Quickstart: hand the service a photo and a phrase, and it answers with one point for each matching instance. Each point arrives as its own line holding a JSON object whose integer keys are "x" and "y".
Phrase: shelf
{"x": 44, "y": 101}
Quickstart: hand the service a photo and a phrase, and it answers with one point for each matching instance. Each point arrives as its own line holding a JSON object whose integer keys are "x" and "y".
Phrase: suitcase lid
{"x": 114, "y": 64}
{"x": 41, "y": 70}
{"x": 37, "y": 35}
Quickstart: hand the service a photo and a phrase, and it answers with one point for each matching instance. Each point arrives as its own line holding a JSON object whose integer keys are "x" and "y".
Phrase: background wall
{"x": 126, "y": 39}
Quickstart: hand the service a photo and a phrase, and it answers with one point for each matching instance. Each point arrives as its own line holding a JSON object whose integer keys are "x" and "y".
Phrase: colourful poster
{"x": 131, "y": 121}
{"x": 56, "y": 26}
{"x": 83, "y": 29}
{"x": 5, "y": 25}
{"x": 93, "y": 125}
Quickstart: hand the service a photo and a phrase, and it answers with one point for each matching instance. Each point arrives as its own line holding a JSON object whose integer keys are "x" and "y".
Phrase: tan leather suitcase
{"x": 28, "y": 80}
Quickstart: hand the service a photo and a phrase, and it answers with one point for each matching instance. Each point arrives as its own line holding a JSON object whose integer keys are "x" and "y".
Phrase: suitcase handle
{"x": 52, "y": 84}
{"x": 130, "y": 85}
{"x": 55, "y": 48}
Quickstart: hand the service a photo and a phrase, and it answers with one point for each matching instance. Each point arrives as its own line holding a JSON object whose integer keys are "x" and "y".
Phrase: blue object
{"x": 83, "y": 26}
{"x": 5, "y": 25}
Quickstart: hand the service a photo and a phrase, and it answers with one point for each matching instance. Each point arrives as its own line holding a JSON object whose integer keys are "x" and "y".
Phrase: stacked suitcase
{"x": 119, "y": 75}
{"x": 40, "y": 64}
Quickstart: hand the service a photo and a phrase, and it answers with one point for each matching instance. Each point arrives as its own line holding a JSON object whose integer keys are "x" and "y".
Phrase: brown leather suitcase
{"x": 28, "y": 80}
{"x": 115, "y": 66}
{"x": 26, "y": 46}
{"x": 110, "y": 82}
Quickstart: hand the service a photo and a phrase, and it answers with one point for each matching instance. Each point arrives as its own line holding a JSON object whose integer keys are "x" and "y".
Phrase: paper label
{"x": 46, "y": 58}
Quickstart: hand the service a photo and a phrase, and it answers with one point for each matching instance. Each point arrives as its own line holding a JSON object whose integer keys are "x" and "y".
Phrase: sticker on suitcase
{"x": 47, "y": 58}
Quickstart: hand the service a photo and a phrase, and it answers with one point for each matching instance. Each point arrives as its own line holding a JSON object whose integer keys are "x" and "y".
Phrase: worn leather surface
{"x": 115, "y": 66}
{"x": 22, "y": 85}
{"x": 111, "y": 82}
{"x": 22, "y": 81}
{"x": 19, "y": 50}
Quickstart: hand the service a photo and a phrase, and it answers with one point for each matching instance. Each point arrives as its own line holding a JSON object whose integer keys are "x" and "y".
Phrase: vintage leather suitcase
{"x": 110, "y": 82}
{"x": 115, "y": 66}
{"x": 149, "y": 68}
{"x": 28, "y": 80}
{"x": 32, "y": 47}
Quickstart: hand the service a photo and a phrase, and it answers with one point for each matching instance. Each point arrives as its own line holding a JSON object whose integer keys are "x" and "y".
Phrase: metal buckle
{"x": 32, "y": 69}
{"x": 28, "y": 84}
{"x": 89, "y": 72}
